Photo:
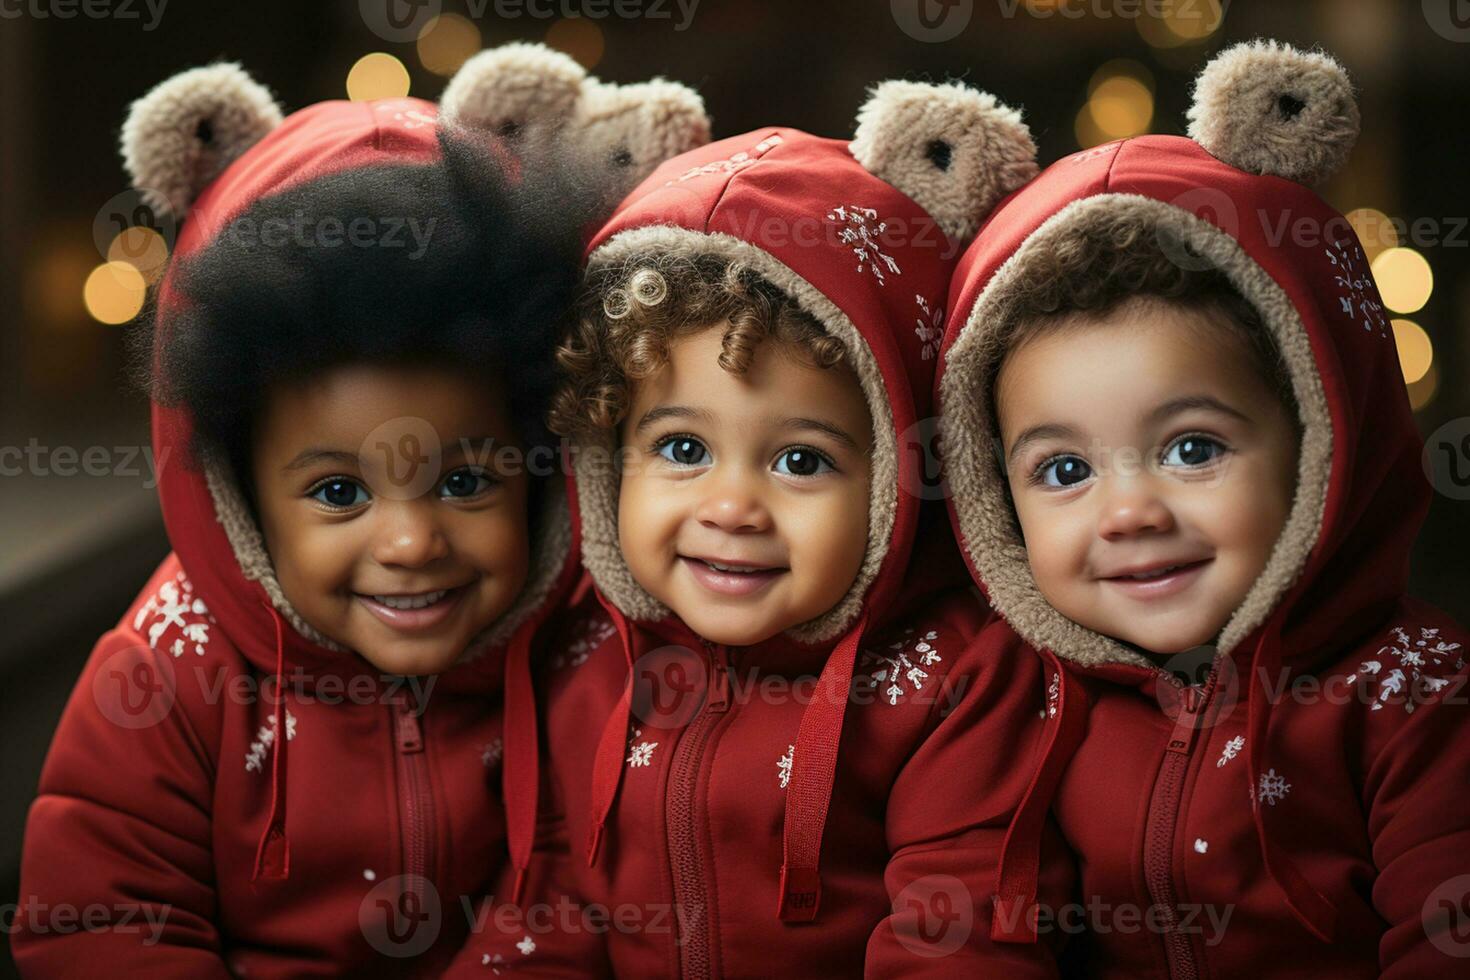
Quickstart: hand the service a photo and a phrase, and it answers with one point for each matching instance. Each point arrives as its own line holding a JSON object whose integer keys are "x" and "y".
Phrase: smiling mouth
{"x": 732, "y": 579}
{"x": 419, "y": 601}
{"x": 410, "y": 612}
{"x": 1156, "y": 573}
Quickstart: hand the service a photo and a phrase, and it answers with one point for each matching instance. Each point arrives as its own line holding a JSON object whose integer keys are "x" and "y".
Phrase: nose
{"x": 409, "y": 535}
{"x": 1132, "y": 505}
{"x": 732, "y": 504}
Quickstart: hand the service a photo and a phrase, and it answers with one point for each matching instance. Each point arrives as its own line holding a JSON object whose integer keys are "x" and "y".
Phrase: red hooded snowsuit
{"x": 718, "y": 811}
{"x": 165, "y": 794}
{"x": 1296, "y": 814}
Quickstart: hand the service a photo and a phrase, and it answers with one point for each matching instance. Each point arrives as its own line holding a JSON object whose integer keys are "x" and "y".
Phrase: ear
{"x": 188, "y": 129}
{"x": 514, "y": 90}
{"x": 953, "y": 149}
{"x": 631, "y": 129}
{"x": 1267, "y": 108}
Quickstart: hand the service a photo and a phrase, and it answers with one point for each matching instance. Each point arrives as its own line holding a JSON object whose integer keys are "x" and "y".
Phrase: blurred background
{"x": 79, "y": 524}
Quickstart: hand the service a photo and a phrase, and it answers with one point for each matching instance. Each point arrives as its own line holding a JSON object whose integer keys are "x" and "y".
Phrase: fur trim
{"x": 548, "y": 554}
{"x": 955, "y": 150}
{"x": 631, "y": 129}
{"x": 188, "y": 129}
{"x": 597, "y": 483}
{"x": 516, "y": 88}
{"x": 1267, "y": 108}
{"x": 971, "y": 455}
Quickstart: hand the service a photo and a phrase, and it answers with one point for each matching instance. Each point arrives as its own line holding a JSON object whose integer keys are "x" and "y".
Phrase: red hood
{"x": 1374, "y": 494}
{"x": 1342, "y": 559}
{"x": 323, "y": 139}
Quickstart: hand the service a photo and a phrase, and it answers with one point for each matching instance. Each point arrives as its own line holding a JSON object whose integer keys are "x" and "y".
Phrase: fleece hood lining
{"x": 984, "y": 515}
{"x": 549, "y": 552}
{"x": 597, "y": 485}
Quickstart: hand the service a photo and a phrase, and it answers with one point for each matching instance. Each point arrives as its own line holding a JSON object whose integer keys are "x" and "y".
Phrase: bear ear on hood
{"x": 1268, "y": 108}
{"x": 189, "y": 128}
{"x": 514, "y": 90}
{"x": 631, "y": 129}
{"x": 955, "y": 150}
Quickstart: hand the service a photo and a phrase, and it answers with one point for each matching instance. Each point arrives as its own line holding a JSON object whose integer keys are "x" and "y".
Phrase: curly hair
{"x": 1095, "y": 270}
{"x": 630, "y": 313}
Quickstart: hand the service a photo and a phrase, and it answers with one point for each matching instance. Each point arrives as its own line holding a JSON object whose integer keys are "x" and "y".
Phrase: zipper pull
{"x": 719, "y": 682}
{"x": 410, "y": 735}
{"x": 1192, "y": 701}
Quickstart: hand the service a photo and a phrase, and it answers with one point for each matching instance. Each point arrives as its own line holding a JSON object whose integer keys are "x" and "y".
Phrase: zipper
{"x": 416, "y": 805}
{"x": 682, "y": 817}
{"x": 1159, "y": 831}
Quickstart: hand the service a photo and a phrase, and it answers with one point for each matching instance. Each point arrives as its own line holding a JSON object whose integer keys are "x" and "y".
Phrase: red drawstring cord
{"x": 607, "y": 766}
{"x": 813, "y": 773}
{"x": 1017, "y": 877}
{"x": 273, "y": 853}
{"x": 520, "y": 768}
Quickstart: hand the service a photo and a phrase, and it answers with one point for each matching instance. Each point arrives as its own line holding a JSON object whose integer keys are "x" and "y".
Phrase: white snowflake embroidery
{"x": 174, "y": 601}
{"x": 1355, "y": 281}
{"x": 1201, "y": 845}
{"x": 1053, "y": 694}
{"x": 641, "y": 754}
{"x": 1419, "y": 661}
{"x": 783, "y": 766}
{"x": 930, "y": 328}
{"x": 264, "y": 738}
{"x": 735, "y": 162}
{"x": 903, "y": 664}
{"x": 527, "y": 946}
{"x": 369, "y": 874}
{"x": 492, "y": 752}
{"x": 493, "y": 962}
{"x": 860, "y": 230}
{"x": 1272, "y": 789}
{"x": 1231, "y": 750}
{"x": 587, "y": 636}
{"x": 405, "y": 114}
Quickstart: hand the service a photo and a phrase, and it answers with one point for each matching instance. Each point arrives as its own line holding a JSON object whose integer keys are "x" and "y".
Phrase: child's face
{"x": 1152, "y": 469}
{"x": 744, "y": 501}
{"x": 362, "y": 516}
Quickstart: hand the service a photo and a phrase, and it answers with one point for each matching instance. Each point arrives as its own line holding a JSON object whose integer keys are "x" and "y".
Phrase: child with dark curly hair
{"x": 352, "y": 355}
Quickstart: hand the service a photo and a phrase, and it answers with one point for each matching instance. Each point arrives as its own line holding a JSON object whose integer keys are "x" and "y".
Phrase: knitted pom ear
{"x": 1267, "y": 108}
{"x": 513, "y": 89}
{"x": 188, "y": 129}
{"x": 953, "y": 149}
{"x": 631, "y": 129}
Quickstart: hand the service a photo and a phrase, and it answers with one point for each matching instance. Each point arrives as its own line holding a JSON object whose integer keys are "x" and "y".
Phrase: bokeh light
{"x": 114, "y": 292}
{"x": 142, "y": 248}
{"x": 446, "y": 42}
{"x": 578, "y": 37}
{"x": 1120, "y": 103}
{"x": 1404, "y": 279}
{"x": 1422, "y": 392}
{"x": 1416, "y": 350}
{"x": 377, "y": 76}
{"x": 1180, "y": 22}
{"x": 1374, "y": 230}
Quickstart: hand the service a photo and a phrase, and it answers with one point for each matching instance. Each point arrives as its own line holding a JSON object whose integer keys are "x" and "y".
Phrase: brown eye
{"x": 340, "y": 492}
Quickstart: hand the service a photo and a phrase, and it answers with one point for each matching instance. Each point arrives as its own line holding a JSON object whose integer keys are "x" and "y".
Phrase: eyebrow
{"x": 313, "y": 455}
{"x": 662, "y": 412}
{"x": 1191, "y": 402}
{"x": 819, "y": 425}
{"x": 1036, "y": 433}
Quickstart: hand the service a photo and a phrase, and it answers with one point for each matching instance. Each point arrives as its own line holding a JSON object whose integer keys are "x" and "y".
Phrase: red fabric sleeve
{"x": 116, "y": 870}
{"x": 948, "y": 816}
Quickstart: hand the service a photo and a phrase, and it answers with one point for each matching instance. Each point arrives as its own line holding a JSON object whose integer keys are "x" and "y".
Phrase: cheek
{"x": 313, "y": 559}
{"x": 647, "y": 519}
{"x": 828, "y": 534}
{"x": 1056, "y": 539}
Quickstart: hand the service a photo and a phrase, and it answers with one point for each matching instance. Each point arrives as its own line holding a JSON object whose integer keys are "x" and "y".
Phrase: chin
{"x": 410, "y": 662}
{"x": 733, "y": 633}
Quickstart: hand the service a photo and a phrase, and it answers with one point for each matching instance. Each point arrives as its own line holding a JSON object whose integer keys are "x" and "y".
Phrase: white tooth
{"x": 410, "y": 601}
